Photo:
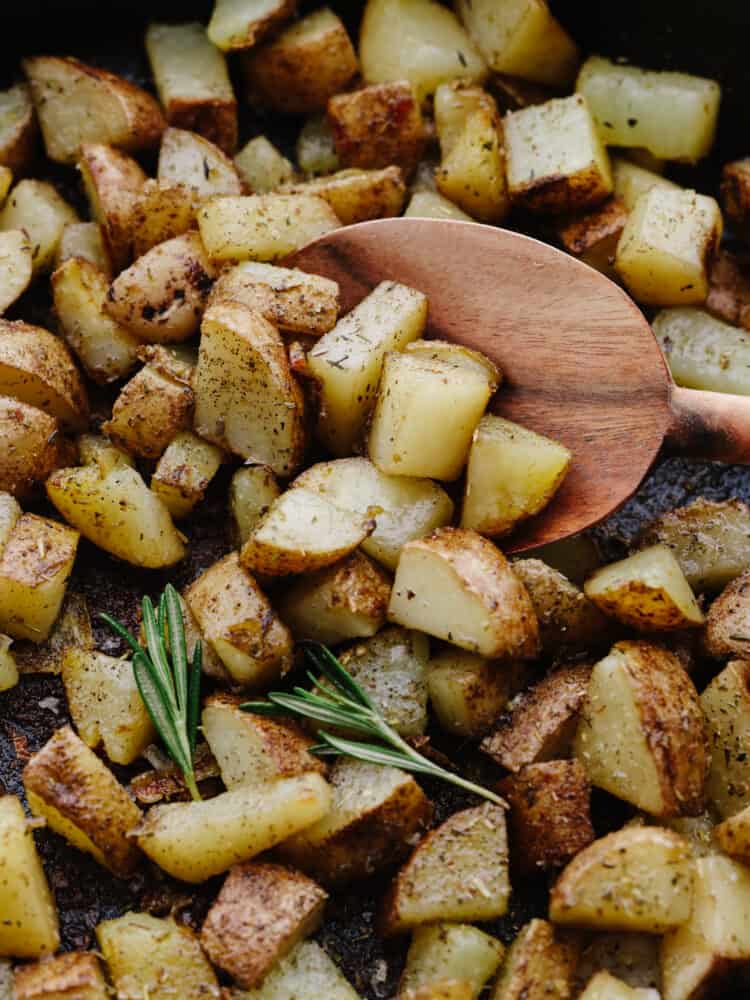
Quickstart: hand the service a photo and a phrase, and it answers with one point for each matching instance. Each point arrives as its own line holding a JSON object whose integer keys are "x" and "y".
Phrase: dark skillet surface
{"x": 655, "y": 33}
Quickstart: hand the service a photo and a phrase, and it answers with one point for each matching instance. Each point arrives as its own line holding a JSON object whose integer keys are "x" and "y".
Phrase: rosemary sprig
{"x": 343, "y": 703}
{"x": 169, "y": 685}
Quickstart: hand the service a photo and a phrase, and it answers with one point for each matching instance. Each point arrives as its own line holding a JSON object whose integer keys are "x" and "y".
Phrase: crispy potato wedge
{"x": 457, "y": 586}
{"x": 18, "y": 128}
{"x": 76, "y": 975}
{"x": 189, "y": 160}
{"x": 194, "y": 841}
{"x": 116, "y": 511}
{"x": 105, "y": 704}
{"x": 727, "y": 620}
{"x": 192, "y": 82}
{"x": 307, "y": 973}
{"x": 357, "y": 195}
{"x": 31, "y": 446}
{"x": 567, "y": 619}
{"x": 448, "y": 962}
{"x": 703, "y": 352}
{"x": 29, "y": 928}
{"x": 240, "y": 625}
{"x": 464, "y": 357}
{"x": 538, "y": 966}
{"x": 85, "y": 240}
{"x": 604, "y": 986}
{"x": 647, "y": 591}
{"x": 374, "y": 815}
{"x": 301, "y": 532}
{"x": 9, "y": 675}
{"x": 251, "y": 492}
{"x": 469, "y": 692}
{"x": 472, "y": 174}
{"x": 36, "y": 208}
{"x": 263, "y": 227}
{"x": 631, "y": 181}
{"x": 157, "y": 958}
{"x": 292, "y": 300}
{"x": 261, "y": 913}
{"x": 77, "y": 104}
{"x": 151, "y": 410}
{"x": 80, "y": 798}
{"x": 429, "y": 48}
{"x": 638, "y": 879}
{"x": 726, "y": 709}
{"x": 16, "y": 263}
{"x": 111, "y": 180}
{"x": 431, "y": 205}
{"x": 246, "y": 398}
{"x": 262, "y": 167}
{"x": 315, "y": 148}
{"x": 10, "y": 511}
{"x": 404, "y": 508}
{"x": 347, "y": 600}
{"x": 641, "y": 735}
{"x": 159, "y": 213}
{"x": 378, "y": 126}
{"x": 184, "y": 472}
{"x": 593, "y": 236}
{"x": 303, "y": 66}
{"x": 239, "y": 24}
{"x": 459, "y": 871}
{"x": 733, "y": 835}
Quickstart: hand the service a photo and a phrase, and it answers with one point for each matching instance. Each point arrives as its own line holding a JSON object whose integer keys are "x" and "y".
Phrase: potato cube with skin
{"x": 604, "y": 986}
{"x": 728, "y": 620}
{"x": 32, "y": 446}
{"x": 555, "y": 159}
{"x": 184, "y": 472}
{"x": 549, "y": 818}
{"x": 538, "y": 966}
{"x": 302, "y": 532}
{"x": 292, "y": 300}
{"x": 431, "y": 205}
{"x": 263, "y": 227}
{"x": 430, "y": 47}
{"x": 374, "y": 816}
{"x": 404, "y": 508}
{"x": 77, "y": 103}
{"x": 472, "y": 172}
{"x": 192, "y": 81}
{"x": 647, "y": 591}
{"x": 306, "y": 973}
{"x": 435, "y": 443}
{"x": 449, "y": 962}
{"x": 641, "y": 733}
{"x": 85, "y": 240}
{"x": 468, "y": 692}
{"x": 667, "y": 246}
{"x": 159, "y": 213}
{"x": 261, "y": 913}
{"x": 315, "y": 149}
{"x": 348, "y": 360}
{"x": 105, "y": 704}
{"x": 37, "y": 208}
{"x": 703, "y": 352}
{"x": 71, "y": 629}
{"x": 378, "y": 126}
{"x": 80, "y": 798}
{"x": 254, "y": 749}
{"x": 733, "y": 835}
{"x": 111, "y": 180}
{"x": 735, "y": 194}
{"x": 304, "y": 65}
{"x": 239, "y": 24}
{"x": 729, "y": 289}
{"x": 262, "y": 167}
{"x": 34, "y": 569}
{"x": 521, "y": 37}
{"x": 76, "y": 975}
{"x": 631, "y": 181}
{"x": 726, "y": 708}
{"x": 16, "y": 255}
{"x": 638, "y": 879}
{"x": 189, "y": 160}
{"x": 347, "y": 600}
{"x": 193, "y": 841}
{"x": 458, "y": 872}
{"x": 18, "y": 127}
{"x": 672, "y": 115}
{"x": 251, "y": 492}
{"x": 156, "y": 958}
{"x": 246, "y": 399}
{"x": 151, "y": 410}
{"x": 10, "y": 511}
{"x": 239, "y": 623}
{"x": 8, "y": 667}
{"x": 593, "y": 237}
{"x": 457, "y": 586}
{"x": 357, "y": 195}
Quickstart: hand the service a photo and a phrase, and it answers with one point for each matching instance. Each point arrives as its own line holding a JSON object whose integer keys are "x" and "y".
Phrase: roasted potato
{"x": 18, "y": 128}
{"x": 29, "y": 928}
{"x": 239, "y": 24}
{"x": 567, "y": 619}
{"x": 193, "y": 841}
{"x": 449, "y": 962}
{"x": 431, "y": 205}
{"x": 192, "y": 82}
{"x": 703, "y": 352}
{"x": 306, "y": 973}
{"x": 469, "y": 692}
{"x": 68, "y": 785}
{"x": 16, "y": 263}
{"x": 111, "y": 180}
{"x": 538, "y": 966}
{"x": 184, "y": 472}
{"x": 593, "y": 236}
{"x": 729, "y": 289}
{"x": 72, "y": 628}
{"x": 728, "y": 619}
{"x": 735, "y": 194}
{"x": 457, "y": 586}
{"x": 151, "y": 410}
{"x": 303, "y": 66}
{"x": 262, "y": 167}
{"x": 261, "y": 913}
{"x": 251, "y": 492}
{"x": 36, "y": 208}
{"x": 315, "y": 149}
{"x": 8, "y": 666}
{"x": 374, "y": 815}
{"x": 726, "y": 708}
{"x": 358, "y": 195}
{"x": 188, "y": 160}
{"x": 733, "y": 835}
{"x": 158, "y": 213}
{"x": 632, "y": 957}
{"x": 378, "y": 126}
{"x": 76, "y": 975}
{"x": 604, "y": 986}
{"x": 85, "y": 240}
{"x": 32, "y": 446}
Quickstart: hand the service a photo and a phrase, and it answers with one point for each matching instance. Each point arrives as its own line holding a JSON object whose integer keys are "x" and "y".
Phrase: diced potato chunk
{"x": 641, "y": 733}
{"x": 378, "y": 126}
{"x": 703, "y": 352}
{"x": 726, "y": 707}
{"x": 156, "y": 958}
{"x": 29, "y": 926}
{"x": 567, "y": 619}
{"x": 37, "y": 208}
{"x": 238, "y": 24}
{"x": 152, "y": 408}
{"x": 260, "y": 914}
{"x": 251, "y": 492}
{"x": 73, "y": 976}
{"x": 111, "y": 181}
{"x": 71, "y": 629}
{"x": 159, "y": 214}
{"x": 604, "y": 986}
{"x": 357, "y": 195}
{"x": 468, "y": 692}
{"x": 457, "y": 586}
{"x": 404, "y": 508}
{"x": 638, "y": 879}
{"x": 375, "y": 813}
{"x": 348, "y": 360}
{"x": 458, "y": 872}
{"x": 307, "y": 973}
{"x": 733, "y": 835}
{"x": 472, "y": 171}
{"x": 193, "y": 841}
{"x": 105, "y": 704}
{"x": 262, "y": 167}
{"x": 10, "y": 511}
{"x": 18, "y": 127}
{"x": 429, "y": 48}
{"x": 315, "y": 149}
{"x": 593, "y": 237}
{"x": 8, "y": 667}
{"x": 239, "y": 623}
{"x": 16, "y": 256}
{"x": 85, "y": 240}
{"x": 184, "y": 472}
{"x": 431, "y": 205}
{"x": 555, "y": 159}
{"x": 631, "y": 181}
{"x": 537, "y": 966}
{"x": 32, "y": 446}
{"x": 728, "y": 620}
{"x": 667, "y": 245}
{"x": 647, "y": 591}
{"x": 189, "y": 160}
{"x": 449, "y": 962}
{"x": 263, "y": 227}
{"x": 672, "y": 115}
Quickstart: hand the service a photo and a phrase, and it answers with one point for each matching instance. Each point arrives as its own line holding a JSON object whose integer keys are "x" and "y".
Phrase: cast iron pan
{"x": 700, "y": 37}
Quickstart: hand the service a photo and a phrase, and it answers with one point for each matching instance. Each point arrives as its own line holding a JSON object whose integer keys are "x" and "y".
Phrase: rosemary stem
{"x": 192, "y": 786}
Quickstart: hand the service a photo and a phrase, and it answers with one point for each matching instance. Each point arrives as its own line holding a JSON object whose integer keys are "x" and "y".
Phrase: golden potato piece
{"x": 77, "y": 103}
{"x": 631, "y": 181}
{"x": 468, "y": 692}
{"x": 726, "y": 709}
{"x": 18, "y": 128}
{"x": 251, "y": 492}
{"x": 262, "y": 167}
{"x": 431, "y": 205}
{"x": 593, "y": 237}
{"x": 189, "y": 160}
{"x": 733, "y": 835}
{"x": 378, "y": 126}
{"x": 184, "y": 472}
{"x": 239, "y": 24}
{"x": 358, "y": 195}
{"x": 449, "y": 962}
{"x": 315, "y": 149}
{"x": 728, "y": 620}
{"x": 36, "y": 208}
{"x": 76, "y": 975}
{"x": 159, "y": 213}
{"x": 307, "y": 973}
{"x": 703, "y": 352}
{"x": 111, "y": 181}
{"x": 151, "y": 410}
{"x": 457, "y": 586}
{"x": 537, "y": 966}
{"x": 85, "y": 240}
{"x": 8, "y": 668}
{"x": 604, "y": 986}
{"x": 16, "y": 256}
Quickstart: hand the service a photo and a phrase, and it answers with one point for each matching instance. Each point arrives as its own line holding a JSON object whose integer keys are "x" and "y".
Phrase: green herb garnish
{"x": 342, "y": 703}
{"x": 169, "y": 685}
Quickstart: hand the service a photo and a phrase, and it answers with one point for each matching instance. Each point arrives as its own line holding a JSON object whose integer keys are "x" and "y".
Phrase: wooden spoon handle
{"x": 710, "y": 425}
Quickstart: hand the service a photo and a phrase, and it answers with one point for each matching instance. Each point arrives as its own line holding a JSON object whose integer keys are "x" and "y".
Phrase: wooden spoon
{"x": 579, "y": 359}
